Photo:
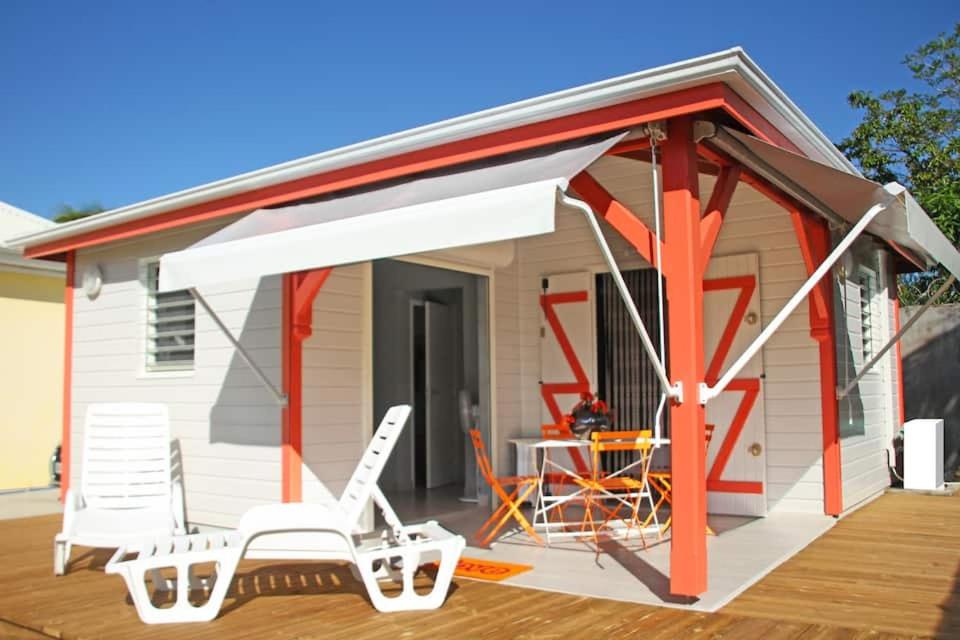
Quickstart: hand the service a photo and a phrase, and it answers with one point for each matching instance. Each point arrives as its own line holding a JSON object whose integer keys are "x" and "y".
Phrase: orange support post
{"x": 67, "y": 373}
{"x": 684, "y": 286}
{"x": 814, "y": 236}
{"x": 299, "y": 291}
{"x": 896, "y": 327}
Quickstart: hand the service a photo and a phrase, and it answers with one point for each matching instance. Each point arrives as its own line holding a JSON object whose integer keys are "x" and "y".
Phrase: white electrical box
{"x": 923, "y": 455}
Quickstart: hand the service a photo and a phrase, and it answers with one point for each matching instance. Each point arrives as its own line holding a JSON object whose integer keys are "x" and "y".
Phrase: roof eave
{"x": 732, "y": 66}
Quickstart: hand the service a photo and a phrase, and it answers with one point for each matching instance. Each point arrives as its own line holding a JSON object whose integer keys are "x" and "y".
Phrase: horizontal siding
{"x": 226, "y": 424}
{"x": 791, "y": 360}
{"x": 864, "y": 449}
{"x": 333, "y": 379}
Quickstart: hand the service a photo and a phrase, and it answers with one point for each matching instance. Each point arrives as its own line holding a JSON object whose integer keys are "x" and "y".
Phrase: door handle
{"x": 755, "y": 449}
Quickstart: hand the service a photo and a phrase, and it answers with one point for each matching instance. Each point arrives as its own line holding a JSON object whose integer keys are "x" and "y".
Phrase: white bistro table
{"x": 550, "y": 464}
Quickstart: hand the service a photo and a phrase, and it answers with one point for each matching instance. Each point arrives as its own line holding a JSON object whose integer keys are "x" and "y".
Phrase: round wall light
{"x": 92, "y": 281}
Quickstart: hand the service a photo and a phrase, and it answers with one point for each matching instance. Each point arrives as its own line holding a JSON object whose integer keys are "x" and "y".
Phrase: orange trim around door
{"x": 749, "y": 386}
{"x": 715, "y": 482}
{"x": 550, "y": 390}
{"x": 65, "y": 448}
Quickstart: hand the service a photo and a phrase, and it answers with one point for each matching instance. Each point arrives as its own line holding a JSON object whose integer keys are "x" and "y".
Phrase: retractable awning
{"x": 856, "y": 204}
{"x": 841, "y": 197}
{"x": 513, "y": 197}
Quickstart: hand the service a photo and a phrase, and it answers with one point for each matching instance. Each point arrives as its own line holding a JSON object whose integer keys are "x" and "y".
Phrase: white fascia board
{"x": 731, "y": 66}
{"x": 12, "y": 261}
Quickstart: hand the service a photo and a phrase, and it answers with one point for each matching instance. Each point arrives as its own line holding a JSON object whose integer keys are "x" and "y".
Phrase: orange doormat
{"x": 488, "y": 569}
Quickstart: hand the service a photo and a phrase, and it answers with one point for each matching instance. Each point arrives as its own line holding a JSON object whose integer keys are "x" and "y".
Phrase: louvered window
{"x": 867, "y": 282}
{"x": 170, "y": 326}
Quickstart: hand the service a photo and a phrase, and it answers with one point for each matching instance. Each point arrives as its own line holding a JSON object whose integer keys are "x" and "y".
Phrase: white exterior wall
{"x": 336, "y": 386}
{"x": 227, "y": 425}
{"x": 791, "y": 358}
{"x": 868, "y": 415}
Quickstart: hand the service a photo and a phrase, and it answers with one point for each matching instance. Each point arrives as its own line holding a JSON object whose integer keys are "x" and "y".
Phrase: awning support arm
{"x": 278, "y": 395}
{"x": 706, "y": 392}
{"x": 842, "y": 393}
{"x": 674, "y": 391}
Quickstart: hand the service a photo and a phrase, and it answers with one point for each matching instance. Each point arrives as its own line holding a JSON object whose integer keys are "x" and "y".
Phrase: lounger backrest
{"x": 365, "y": 476}
{"x": 126, "y": 456}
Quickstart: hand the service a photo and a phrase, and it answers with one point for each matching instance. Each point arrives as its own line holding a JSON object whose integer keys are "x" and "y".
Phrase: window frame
{"x": 149, "y": 368}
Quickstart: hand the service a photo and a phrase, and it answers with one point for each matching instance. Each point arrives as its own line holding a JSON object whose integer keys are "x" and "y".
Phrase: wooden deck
{"x": 888, "y": 571}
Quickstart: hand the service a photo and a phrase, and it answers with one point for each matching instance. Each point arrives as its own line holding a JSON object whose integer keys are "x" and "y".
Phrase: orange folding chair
{"x": 624, "y": 490}
{"x": 510, "y": 503}
{"x": 662, "y": 481}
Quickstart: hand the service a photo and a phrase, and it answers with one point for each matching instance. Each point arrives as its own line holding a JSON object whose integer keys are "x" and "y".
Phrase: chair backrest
{"x": 563, "y": 432}
{"x": 603, "y": 441}
{"x": 483, "y": 460}
{"x": 126, "y": 456}
{"x": 359, "y": 489}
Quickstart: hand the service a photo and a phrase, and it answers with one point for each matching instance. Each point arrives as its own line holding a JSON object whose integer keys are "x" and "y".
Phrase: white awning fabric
{"x": 509, "y": 198}
{"x": 835, "y": 193}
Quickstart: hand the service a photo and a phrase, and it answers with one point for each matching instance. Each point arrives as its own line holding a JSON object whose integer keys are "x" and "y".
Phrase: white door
{"x": 442, "y": 418}
{"x": 736, "y": 460}
{"x": 567, "y": 343}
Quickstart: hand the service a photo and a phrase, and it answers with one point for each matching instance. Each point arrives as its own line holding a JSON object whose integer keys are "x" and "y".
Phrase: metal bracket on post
{"x": 703, "y": 393}
{"x": 279, "y": 396}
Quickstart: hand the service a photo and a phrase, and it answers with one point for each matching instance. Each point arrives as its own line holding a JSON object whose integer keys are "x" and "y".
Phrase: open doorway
{"x": 430, "y": 350}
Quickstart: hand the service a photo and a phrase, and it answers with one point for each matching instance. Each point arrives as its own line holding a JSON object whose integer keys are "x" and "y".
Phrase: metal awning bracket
{"x": 278, "y": 395}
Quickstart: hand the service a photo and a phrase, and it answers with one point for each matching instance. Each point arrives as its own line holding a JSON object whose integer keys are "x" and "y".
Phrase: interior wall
{"x": 395, "y": 285}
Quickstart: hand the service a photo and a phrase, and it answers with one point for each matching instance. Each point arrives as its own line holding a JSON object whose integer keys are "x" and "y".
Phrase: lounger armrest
{"x": 178, "y": 507}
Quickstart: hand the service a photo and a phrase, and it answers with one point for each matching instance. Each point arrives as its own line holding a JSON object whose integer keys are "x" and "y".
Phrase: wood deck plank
{"x": 887, "y": 571}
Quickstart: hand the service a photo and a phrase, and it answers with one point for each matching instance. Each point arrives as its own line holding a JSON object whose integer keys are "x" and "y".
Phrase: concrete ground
{"x": 29, "y": 503}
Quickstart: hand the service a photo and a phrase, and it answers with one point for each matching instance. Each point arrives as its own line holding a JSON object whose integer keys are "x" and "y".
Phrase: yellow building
{"x": 31, "y": 357}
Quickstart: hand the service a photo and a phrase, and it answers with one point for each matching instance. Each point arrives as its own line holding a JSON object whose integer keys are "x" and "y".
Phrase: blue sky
{"x": 116, "y": 102}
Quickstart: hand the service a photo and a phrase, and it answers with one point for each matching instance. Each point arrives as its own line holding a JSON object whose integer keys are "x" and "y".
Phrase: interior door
{"x": 736, "y": 460}
{"x": 442, "y": 419}
{"x": 567, "y": 343}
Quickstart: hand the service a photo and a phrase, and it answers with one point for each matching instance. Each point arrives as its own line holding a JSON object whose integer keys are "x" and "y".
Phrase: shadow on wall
{"x": 931, "y": 369}
{"x": 245, "y": 412}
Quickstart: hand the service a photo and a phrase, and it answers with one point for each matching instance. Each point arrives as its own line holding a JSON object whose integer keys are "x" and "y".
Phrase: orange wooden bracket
{"x": 804, "y": 226}
{"x": 299, "y": 291}
{"x": 620, "y": 217}
{"x": 717, "y": 206}
{"x": 628, "y": 146}
{"x": 306, "y": 285}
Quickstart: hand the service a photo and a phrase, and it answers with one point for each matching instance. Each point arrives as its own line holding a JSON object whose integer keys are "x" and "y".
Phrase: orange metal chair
{"x": 624, "y": 490}
{"x": 510, "y": 503}
{"x": 662, "y": 481}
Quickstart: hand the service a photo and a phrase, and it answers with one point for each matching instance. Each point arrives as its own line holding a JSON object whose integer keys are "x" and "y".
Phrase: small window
{"x": 170, "y": 326}
{"x": 867, "y": 281}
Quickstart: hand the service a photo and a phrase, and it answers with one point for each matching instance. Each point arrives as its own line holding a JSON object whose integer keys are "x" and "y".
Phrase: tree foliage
{"x": 66, "y": 212}
{"x": 913, "y": 137}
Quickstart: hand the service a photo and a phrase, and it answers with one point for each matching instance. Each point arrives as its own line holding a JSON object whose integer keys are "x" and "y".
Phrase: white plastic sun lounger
{"x": 126, "y": 489}
{"x": 330, "y": 528}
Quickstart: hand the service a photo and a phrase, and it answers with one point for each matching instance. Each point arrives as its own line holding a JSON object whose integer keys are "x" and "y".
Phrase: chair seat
{"x": 113, "y": 527}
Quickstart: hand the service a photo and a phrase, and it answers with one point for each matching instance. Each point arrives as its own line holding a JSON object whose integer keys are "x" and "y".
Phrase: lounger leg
{"x": 409, "y": 599}
{"x": 61, "y": 557}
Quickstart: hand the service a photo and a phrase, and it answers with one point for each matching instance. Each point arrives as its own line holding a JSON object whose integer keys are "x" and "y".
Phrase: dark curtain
{"x": 626, "y": 379}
